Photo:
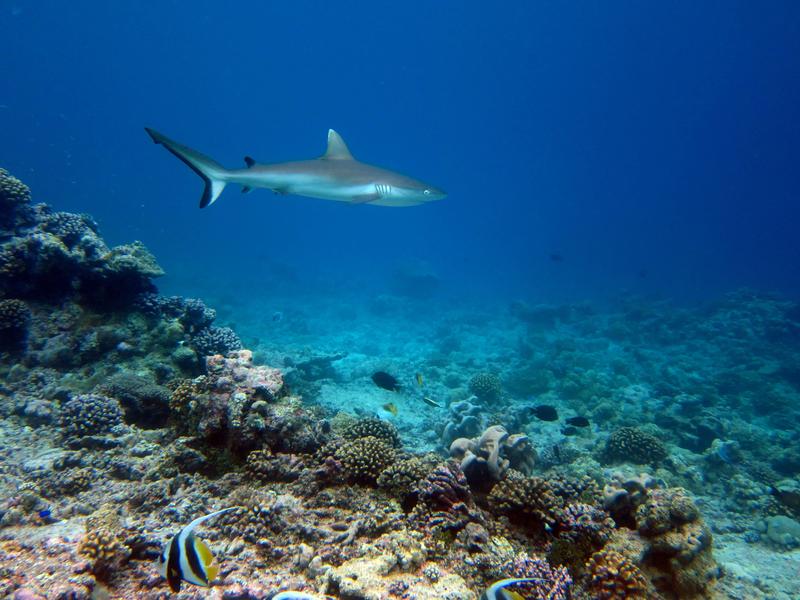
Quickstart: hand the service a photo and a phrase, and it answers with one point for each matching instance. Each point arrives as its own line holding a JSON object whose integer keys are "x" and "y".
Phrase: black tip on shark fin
{"x": 246, "y": 189}
{"x": 249, "y": 161}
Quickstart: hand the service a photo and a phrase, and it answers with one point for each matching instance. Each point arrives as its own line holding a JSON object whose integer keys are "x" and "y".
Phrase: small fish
{"x": 497, "y": 590}
{"x": 545, "y": 412}
{"x": 45, "y": 514}
{"x": 578, "y": 421}
{"x": 277, "y": 316}
{"x": 420, "y": 381}
{"x": 385, "y": 381}
{"x": 569, "y": 430}
{"x": 189, "y": 559}
{"x": 390, "y": 407}
{"x": 431, "y": 402}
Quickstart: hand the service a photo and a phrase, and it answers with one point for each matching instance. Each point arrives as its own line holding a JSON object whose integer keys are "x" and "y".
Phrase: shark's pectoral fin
{"x": 365, "y": 198}
{"x": 246, "y": 189}
{"x": 249, "y": 161}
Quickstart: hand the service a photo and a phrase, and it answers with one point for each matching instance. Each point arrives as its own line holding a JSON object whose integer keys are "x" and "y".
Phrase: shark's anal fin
{"x": 246, "y": 189}
{"x": 365, "y": 198}
{"x": 249, "y": 161}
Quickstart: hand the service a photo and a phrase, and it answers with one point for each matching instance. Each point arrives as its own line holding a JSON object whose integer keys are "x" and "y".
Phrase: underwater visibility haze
{"x": 545, "y": 343}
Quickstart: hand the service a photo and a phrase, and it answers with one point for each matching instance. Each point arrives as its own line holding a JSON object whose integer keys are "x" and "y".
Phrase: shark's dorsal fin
{"x": 249, "y": 161}
{"x": 337, "y": 149}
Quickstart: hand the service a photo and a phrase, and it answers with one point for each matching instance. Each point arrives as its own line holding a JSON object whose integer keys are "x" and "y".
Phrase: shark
{"x": 335, "y": 175}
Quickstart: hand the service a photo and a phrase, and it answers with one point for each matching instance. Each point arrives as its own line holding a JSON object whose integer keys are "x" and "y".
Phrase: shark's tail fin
{"x": 213, "y": 173}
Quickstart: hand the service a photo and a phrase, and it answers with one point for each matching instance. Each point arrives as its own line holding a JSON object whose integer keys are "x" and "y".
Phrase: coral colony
{"x": 129, "y": 419}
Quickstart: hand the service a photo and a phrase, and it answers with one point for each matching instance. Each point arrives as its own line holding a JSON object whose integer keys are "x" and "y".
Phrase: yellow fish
{"x": 390, "y": 407}
{"x": 420, "y": 381}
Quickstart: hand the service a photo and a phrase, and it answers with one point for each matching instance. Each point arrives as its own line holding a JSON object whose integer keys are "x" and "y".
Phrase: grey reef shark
{"x": 335, "y": 175}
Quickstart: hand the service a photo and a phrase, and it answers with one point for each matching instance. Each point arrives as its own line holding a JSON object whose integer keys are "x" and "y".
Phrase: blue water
{"x": 655, "y": 147}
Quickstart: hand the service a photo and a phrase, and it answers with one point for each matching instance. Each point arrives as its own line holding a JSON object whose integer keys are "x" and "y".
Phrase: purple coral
{"x": 585, "y": 522}
{"x": 445, "y": 500}
{"x": 554, "y": 582}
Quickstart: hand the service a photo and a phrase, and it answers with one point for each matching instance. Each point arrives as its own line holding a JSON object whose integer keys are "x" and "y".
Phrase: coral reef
{"x": 114, "y": 394}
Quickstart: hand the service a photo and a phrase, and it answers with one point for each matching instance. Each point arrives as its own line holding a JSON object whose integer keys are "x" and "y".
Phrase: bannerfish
{"x": 391, "y": 408}
{"x": 431, "y": 402}
{"x": 545, "y": 412}
{"x": 420, "y": 381}
{"x": 578, "y": 421}
{"x": 385, "y": 381}
{"x": 187, "y": 558}
{"x": 497, "y": 590}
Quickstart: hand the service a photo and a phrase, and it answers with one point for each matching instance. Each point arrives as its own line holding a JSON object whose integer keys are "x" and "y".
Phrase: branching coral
{"x": 486, "y": 387}
{"x": 530, "y": 501}
{"x": 377, "y": 428}
{"x": 15, "y": 317}
{"x": 444, "y": 499}
{"x": 89, "y": 414}
{"x": 611, "y": 576}
{"x": 364, "y": 459}
{"x": 631, "y": 444}
{"x": 400, "y": 478}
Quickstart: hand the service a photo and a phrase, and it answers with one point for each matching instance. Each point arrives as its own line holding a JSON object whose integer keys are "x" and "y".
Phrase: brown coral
{"x": 486, "y": 387}
{"x": 634, "y": 445}
{"x": 103, "y": 550}
{"x": 611, "y": 576}
{"x": 400, "y": 478}
{"x": 377, "y": 428}
{"x": 364, "y": 459}
{"x": 266, "y": 466}
{"x": 530, "y": 501}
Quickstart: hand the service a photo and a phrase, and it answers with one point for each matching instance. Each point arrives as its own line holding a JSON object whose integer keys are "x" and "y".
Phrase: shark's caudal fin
{"x": 213, "y": 173}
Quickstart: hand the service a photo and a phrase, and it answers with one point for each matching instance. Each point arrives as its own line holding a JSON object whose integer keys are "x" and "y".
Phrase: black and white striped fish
{"x": 187, "y": 558}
